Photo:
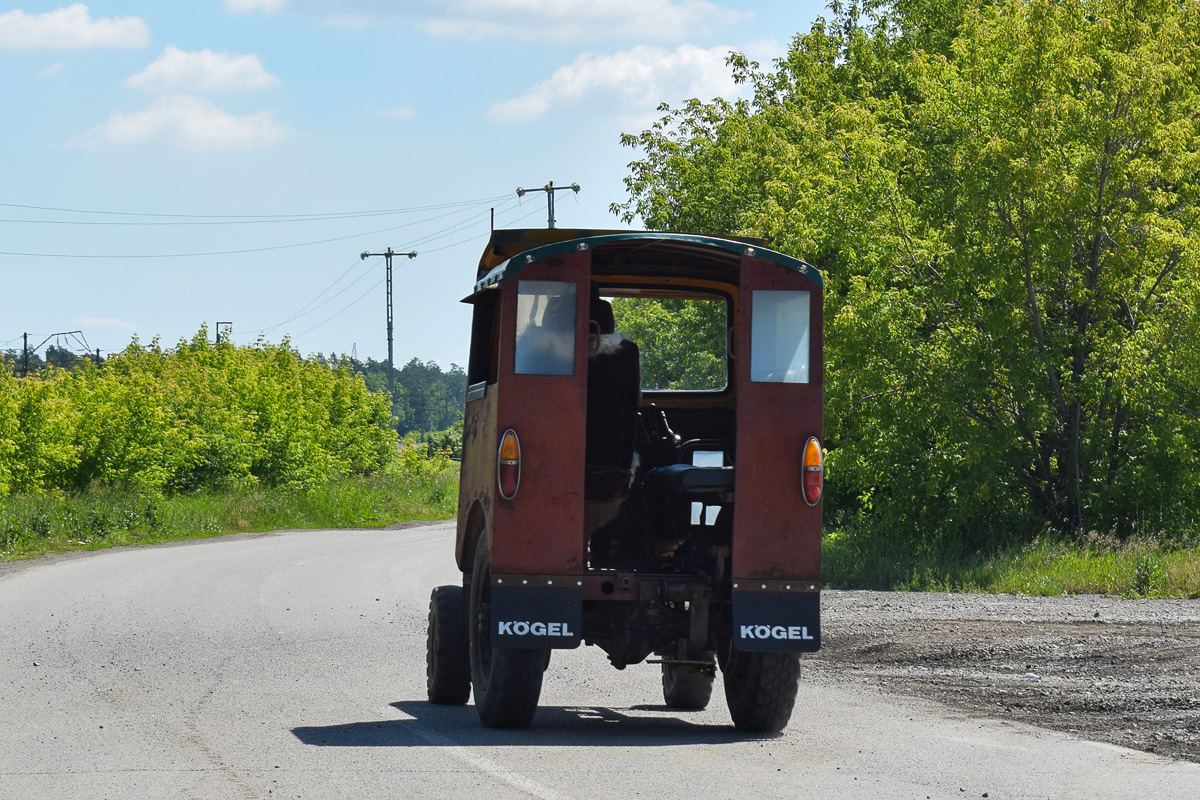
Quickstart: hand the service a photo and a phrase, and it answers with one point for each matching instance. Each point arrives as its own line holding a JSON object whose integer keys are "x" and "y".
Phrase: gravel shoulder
{"x": 1126, "y": 672}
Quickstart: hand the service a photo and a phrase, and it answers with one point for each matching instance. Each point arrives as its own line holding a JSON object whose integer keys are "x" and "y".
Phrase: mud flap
{"x": 536, "y": 617}
{"x": 777, "y": 622}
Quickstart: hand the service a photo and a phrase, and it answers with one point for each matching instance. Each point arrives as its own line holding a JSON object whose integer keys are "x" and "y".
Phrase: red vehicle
{"x": 657, "y": 498}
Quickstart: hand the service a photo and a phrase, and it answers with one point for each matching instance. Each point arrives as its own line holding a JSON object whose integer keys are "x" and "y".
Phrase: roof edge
{"x": 515, "y": 264}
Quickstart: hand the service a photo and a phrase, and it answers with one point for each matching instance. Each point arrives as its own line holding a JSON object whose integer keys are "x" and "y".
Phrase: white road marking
{"x": 464, "y": 754}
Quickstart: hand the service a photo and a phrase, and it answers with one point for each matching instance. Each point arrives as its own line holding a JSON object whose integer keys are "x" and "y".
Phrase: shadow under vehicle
{"x": 659, "y": 499}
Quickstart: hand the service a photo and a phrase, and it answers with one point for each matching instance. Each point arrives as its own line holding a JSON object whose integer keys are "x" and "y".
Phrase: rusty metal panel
{"x": 776, "y": 535}
{"x": 540, "y": 530}
{"x": 477, "y": 474}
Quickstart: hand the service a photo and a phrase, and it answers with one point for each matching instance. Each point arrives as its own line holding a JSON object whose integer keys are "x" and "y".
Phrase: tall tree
{"x": 1004, "y": 198}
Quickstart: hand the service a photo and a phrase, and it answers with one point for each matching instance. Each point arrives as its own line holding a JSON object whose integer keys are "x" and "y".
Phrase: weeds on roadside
{"x": 1138, "y": 566}
{"x": 415, "y": 486}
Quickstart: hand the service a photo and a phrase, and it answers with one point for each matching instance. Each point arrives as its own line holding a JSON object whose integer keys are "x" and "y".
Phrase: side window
{"x": 481, "y": 364}
{"x": 779, "y": 336}
{"x": 545, "y": 328}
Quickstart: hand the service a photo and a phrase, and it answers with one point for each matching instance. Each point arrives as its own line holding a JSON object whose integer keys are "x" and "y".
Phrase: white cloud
{"x": 643, "y": 77}
{"x": 178, "y": 70}
{"x": 50, "y": 71}
{"x": 105, "y": 322}
{"x": 401, "y": 112}
{"x": 187, "y": 123}
{"x": 247, "y": 6}
{"x": 70, "y": 28}
{"x": 669, "y": 20}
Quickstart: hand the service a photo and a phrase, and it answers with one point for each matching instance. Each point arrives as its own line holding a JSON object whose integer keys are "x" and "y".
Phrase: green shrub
{"x": 200, "y": 416}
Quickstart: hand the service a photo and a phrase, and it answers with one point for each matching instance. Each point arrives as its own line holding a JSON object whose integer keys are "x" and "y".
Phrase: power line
{"x": 305, "y": 310}
{"x": 429, "y": 250}
{"x": 258, "y": 217}
{"x": 244, "y": 251}
{"x": 377, "y": 285}
{"x": 344, "y": 310}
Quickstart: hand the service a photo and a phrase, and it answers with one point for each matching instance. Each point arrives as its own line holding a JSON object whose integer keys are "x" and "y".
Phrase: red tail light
{"x": 814, "y": 471}
{"x": 508, "y": 464}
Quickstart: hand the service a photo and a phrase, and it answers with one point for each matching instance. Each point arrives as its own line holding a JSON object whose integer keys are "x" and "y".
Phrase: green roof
{"x": 672, "y": 242}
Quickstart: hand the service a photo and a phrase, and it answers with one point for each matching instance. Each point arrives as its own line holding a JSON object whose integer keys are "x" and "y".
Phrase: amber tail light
{"x": 814, "y": 471}
{"x": 508, "y": 464}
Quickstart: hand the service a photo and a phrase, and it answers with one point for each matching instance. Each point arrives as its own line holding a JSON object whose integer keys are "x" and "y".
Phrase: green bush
{"x": 195, "y": 417}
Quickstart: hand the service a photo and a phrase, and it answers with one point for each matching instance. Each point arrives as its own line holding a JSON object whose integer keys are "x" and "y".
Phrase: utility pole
{"x": 549, "y": 189}
{"x": 391, "y": 371}
{"x": 77, "y": 335}
{"x": 228, "y": 330}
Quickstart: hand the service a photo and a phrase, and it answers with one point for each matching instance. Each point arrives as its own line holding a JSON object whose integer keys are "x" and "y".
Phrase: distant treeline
{"x": 427, "y": 399}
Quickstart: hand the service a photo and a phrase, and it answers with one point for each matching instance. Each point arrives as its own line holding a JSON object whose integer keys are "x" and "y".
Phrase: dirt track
{"x": 1120, "y": 671}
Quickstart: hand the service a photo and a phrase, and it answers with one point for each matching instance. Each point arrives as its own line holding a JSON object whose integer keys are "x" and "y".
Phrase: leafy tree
{"x": 681, "y": 342}
{"x": 427, "y": 398}
{"x": 1003, "y": 197}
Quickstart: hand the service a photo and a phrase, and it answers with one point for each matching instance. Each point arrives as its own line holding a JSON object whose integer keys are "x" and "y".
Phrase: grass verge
{"x": 420, "y": 488}
{"x": 1146, "y": 566}
{"x": 32, "y": 526}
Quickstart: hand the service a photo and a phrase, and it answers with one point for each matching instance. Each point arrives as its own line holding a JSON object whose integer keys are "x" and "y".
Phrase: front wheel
{"x": 760, "y": 689}
{"x": 507, "y": 681}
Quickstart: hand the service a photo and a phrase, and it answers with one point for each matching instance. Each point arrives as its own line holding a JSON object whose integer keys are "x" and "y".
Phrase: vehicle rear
{"x": 642, "y": 471}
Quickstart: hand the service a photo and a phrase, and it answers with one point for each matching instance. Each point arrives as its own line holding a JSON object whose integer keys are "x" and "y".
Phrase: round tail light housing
{"x": 508, "y": 465}
{"x": 813, "y": 471}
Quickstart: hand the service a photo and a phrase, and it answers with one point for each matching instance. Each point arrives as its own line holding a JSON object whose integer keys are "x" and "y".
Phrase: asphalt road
{"x": 292, "y": 665}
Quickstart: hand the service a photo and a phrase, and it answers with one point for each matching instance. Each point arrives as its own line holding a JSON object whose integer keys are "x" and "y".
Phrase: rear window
{"x": 779, "y": 337}
{"x": 545, "y": 328}
{"x": 681, "y": 341}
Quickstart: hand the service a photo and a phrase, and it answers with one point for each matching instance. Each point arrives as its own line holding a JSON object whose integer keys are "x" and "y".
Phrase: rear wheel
{"x": 507, "y": 681}
{"x": 760, "y": 689}
{"x": 447, "y": 653}
{"x": 687, "y": 687}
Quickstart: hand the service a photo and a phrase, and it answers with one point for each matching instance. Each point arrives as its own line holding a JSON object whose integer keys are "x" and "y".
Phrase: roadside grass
{"x": 1139, "y": 566}
{"x": 417, "y": 486}
{"x": 32, "y": 526}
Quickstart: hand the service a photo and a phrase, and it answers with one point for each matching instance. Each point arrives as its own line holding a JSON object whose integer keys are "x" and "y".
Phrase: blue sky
{"x": 170, "y": 164}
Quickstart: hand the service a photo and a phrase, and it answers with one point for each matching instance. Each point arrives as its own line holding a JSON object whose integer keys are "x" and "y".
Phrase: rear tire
{"x": 447, "y": 652}
{"x": 687, "y": 687}
{"x": 760, "y": 689}
{"x": 507, "y": 681}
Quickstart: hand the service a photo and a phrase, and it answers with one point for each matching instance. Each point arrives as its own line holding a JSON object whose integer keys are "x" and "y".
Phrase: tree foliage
{"x": 1003, "y": 197}
{"x": 196, "y": 416}
{"x": 681, "y": 343}
{"x": 427, "y": 398}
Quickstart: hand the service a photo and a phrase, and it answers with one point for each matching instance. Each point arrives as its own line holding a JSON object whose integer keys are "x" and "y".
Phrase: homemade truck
{"x": 617, "y": 494}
